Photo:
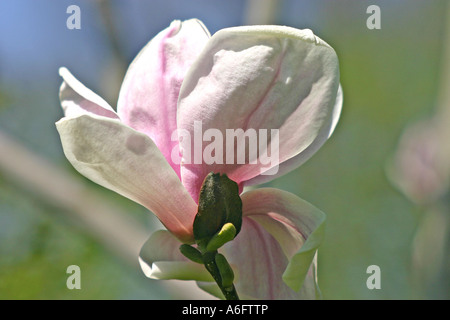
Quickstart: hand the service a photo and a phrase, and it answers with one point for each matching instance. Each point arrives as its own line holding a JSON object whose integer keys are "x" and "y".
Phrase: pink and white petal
{"x": 274, "y": 252}
{"x": 257, "y": 77}
{"x": 160, "y": 258}
{"x": 149, "y": 93}
{"x": 128, "y": 162}
{"x": 296, "y": 161}
{"x": 76, "y": 99}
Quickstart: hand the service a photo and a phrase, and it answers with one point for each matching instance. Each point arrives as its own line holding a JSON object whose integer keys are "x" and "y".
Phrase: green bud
{"x": 226, "y": 273}
{"x": 227, "y": 233}
{"x": 219, "y": 203}
{"x": 191, "y": 253}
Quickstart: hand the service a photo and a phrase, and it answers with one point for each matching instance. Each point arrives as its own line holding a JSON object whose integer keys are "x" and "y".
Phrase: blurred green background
{"x": 390, "y": 77}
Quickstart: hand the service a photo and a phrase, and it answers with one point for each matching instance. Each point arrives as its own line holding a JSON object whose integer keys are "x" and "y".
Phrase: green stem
{"x": 210, "y": 264}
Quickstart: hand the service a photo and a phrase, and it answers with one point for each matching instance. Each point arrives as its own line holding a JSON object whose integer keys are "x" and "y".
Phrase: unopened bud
{"x": 227, "y": 233}
{"x": 226, "y": 273}
{"x": 191, "y": 253}
{"x": 219, "y": 203}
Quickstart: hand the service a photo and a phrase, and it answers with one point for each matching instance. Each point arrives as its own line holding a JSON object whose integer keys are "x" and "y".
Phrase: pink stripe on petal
{"x": 149, "y": 93}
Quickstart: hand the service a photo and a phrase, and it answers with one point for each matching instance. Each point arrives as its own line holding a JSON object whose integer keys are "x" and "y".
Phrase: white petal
{"x": 259, "y": 78}
{"x": 128, "y": 162}
{"x": 160, "y": 258}
{"x": 296, "y": 161}
{"x": 76, "y": 99}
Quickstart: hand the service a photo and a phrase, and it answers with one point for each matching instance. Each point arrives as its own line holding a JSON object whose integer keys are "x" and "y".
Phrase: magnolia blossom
{"x": 259, "y": 77}
{"x": 419, "y": 168}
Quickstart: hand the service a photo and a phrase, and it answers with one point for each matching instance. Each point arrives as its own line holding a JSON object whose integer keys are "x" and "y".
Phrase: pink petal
{"x": 76, "y": 99}
{"x": 257, "y": 77}
{"x": 128, "y": 162}
{"x": 148, "y": 97}
{"x": 274, "y": 252}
